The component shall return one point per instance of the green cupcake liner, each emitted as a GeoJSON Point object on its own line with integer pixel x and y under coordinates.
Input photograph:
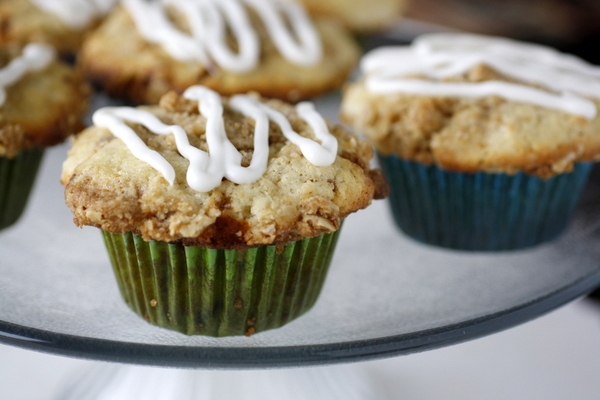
{"type": "Point", "coordinates": [214, 292]}
{"type": "Point", "coordinates": [17, 176]}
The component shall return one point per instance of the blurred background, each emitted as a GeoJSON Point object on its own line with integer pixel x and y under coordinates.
{"type": "Point", "coordinates": [568, 25]}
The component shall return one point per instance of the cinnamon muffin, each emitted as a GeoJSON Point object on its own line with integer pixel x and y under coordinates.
{"type": "Point", "coordinates": [145, 49]}
{"type": "Point", "coordinates": [487, 140]}
{"type": "Point", "coordinates": [227, 208]}
{"type": "Point", "coordinates": [61, 23]}
{"type": "Point", "coordinates": [42, 101]}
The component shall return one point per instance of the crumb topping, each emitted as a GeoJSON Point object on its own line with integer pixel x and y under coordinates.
{"type": "Point", "coordinates": [107, 187]}
{"type": "Point", "coordinates": [43, 108]}
{"type": "Point", "coordinates": [473, 134]}
{"type": "Point", "coordinates": [117, 58]}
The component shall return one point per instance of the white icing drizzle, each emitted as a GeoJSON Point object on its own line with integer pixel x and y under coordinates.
{"type": "Point", "coordinates": [223, 160]}
{"type": "Point", "coordinates": [76, 13]}
{"type": "Point", "coordinates": [35, 57]}
{"type": "Point", "coordinates": [569, 79]}
{"type": "Point", "coordinates": [210, 20]}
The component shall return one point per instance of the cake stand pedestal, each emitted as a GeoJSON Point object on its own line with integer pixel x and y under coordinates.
{"type": "Point", "coordinates": [126, 382]}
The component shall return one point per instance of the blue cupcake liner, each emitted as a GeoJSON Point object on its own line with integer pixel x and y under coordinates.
{"type": "Point", "coordinates": [17, 175]}
{"type": "Point", "coordinates": [481, 211]}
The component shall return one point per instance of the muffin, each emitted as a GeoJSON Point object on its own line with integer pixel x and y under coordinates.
{"type": "Point", "coordinates": [144, 49]}
{"type": "Point", "coordinates": [487, 142]}
{"type": "Point", "coordinates": [236, 241]}
{"type": "Point", "coordinates": [42, 101]}
{"type": "Point", "coordinates": [361, 16]}
{"type": "Point", "coordinates": [61, 23]}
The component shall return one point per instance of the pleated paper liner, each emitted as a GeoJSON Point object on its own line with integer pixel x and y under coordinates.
{"type": "Point", "coordinates": [17, 176]}
{"type": "Point", "coordinates": [481, 211]}
{"type": "Point", "coordinates": [213, 292]}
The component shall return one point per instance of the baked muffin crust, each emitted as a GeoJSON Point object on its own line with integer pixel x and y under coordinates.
{"type": "Point", "coordinates": [23, 22]}
{"type": "Point", "coordinates": [118, 59]}
{"type": "Point", "coordinates": [107, 187]}
{"type": "Point", "coordinates": [43, 108]}
{"type": "Point", "coordinates": [468, 134]}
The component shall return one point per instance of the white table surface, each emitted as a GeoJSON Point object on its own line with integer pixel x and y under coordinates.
{"type": "Point", "coordinates": [556, 356]}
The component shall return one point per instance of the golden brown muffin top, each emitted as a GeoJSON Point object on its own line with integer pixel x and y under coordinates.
{"type": "Point", "coordinates": [107, 187]}
{"type": "Point", "coordinates": [24, 22]}
{"type": "Point", "coordinates": [119, 59]}
{"type": "Point", "coordinates": [470, 134]}
{"type": "Point", "coordinates": [42, 108]}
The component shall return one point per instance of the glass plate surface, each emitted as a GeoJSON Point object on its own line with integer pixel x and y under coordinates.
{"type": "Point", "coordinates": [385, 294]}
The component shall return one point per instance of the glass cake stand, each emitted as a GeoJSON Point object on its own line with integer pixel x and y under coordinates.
{"type": "Point", "coordinates": [385, 294]}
